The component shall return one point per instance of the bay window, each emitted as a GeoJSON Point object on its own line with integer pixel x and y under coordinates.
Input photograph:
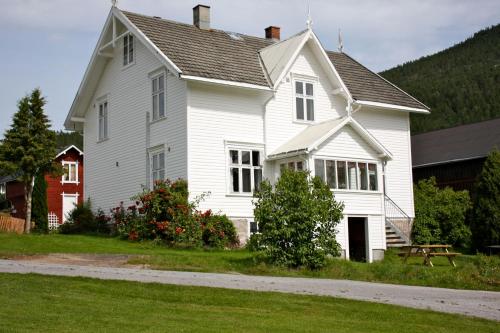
{"type": "Point", "coordinates": [347, 175]}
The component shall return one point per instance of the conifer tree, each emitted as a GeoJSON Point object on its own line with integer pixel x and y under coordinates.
{"type": "Point", "coordinates": [485, 223]}
{"type": "Point", "coordinates": [28, 146]}
{"type": "Point", "coordinates": [40, 210]}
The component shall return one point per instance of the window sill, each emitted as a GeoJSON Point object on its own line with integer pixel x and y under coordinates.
{"type": "Point", "coordinates": [102, 140]}
{"type": "Point", "coordinates": [157, 120]}
{"type": "Point", "coordinates": [304, 122]}
{"type": "Point", "coordinates": [127, 66]}
{"type": "Point", "coordinates": [75, 183]}
{"type": "Point", "coordinates": [356, 191]}
{"type": "Point", "coordinates": [241, 195]}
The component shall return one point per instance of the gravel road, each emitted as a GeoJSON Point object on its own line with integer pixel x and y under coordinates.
{"type": "Point", "coordinates": [484, 304]}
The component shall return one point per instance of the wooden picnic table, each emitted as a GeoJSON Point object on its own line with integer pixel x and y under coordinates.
{"type": "Point", "coordinates": [429, 251]}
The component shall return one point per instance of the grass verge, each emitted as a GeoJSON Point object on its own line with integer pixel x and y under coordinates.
{"type": "Point", "coordinates": [57, 304]}
{"type": "Point", "coordinates": [472, 272]}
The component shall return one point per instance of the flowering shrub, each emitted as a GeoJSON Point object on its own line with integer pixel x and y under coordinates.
{"type": "Point", "coordinates": [165, 213]}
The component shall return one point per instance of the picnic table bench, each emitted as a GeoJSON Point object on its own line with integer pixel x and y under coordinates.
{"type": "Point", "coordinates": [427, 252]}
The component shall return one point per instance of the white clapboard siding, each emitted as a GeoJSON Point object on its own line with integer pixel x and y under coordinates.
{"type": "Point", "coordinates": [391, 128]}
{"type": "Point", "coordinates": [115, 169]}
{"type": "Point", "coordinates": [215, 115]}
{"type": "Point", "coordinates": [280, 112]}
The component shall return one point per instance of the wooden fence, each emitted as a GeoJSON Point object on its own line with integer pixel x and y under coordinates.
{"type": "Point", "coordinates": [11, 224]}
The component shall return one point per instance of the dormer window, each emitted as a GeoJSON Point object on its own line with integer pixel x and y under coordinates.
{"type": "Point", "coordinates": [304, 101]}
{"type": "Point", "coordinates": [128, 50]}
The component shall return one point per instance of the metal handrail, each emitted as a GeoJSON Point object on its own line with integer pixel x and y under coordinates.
{"type": "Point", "coordinates": [398, 219]}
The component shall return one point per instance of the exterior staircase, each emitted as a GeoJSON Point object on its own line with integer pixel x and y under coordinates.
{"type": "Point", "coordinates": [397, 225]}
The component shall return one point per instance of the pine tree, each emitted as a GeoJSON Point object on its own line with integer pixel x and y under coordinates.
{"type": "Point", "coordinates": [28, 147]}
{"type": "Point", "coordinates": [40, 210]}
{"type": "Point", "coordinates": [485, 223]}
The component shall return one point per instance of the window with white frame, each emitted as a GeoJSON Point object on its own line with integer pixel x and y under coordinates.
{"type": "Point", "coordinates": [70, 172]}
{"type": "Point", "coordinates": [158, 91]}
{"type": "Point", "coordinates": [304, 100]}
{"type": "Point", "coordinates": [157, 165]}
{"type": "Point", "coordinates": [245, 170]}
{"type": "Point", "coordinates": [103, 120]}
{"type": "Point", "coordinates": [292, 165]}
{"type": "Point", "coordinates": [347, 175]}
{"type": "Point", "coordinates": [128, 49]}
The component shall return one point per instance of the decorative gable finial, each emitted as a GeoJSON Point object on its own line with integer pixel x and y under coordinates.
{"type": "Point", "coordinates": [113, 3]}
{"type": "Point", "coordinates": [341, 43]}
{"type": "Point", "coordinates": [309, 21]}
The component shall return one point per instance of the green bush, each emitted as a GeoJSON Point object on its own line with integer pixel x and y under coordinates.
{"type": "Point", "coordinates": [440, 215]}
{"type": "Point", "coordinates": [39, 207]}
{"type": "Point", "coordinates": [297, 220]}
{"type": "Point", "coordinates": [81, 220]}
{"type": "Point", "coordinates": [218, 231]}
{"type": "Point", "coordinates": [4, 203]}
{"type": "Point", "coordinates": [485, 219]}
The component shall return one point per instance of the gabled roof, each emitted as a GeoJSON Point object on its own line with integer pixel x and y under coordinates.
{"type": "Point", "coordinates": [314, 135]}
{"type": "Point", "coordinates": [455, 144]}
{"type": "Point", "coordinates": [63, 151]}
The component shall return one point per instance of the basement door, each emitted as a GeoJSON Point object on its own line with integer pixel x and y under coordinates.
{"type": "Point", "coordinates": [357, 238]}
{"type": "Point", "coordinates": [69, 202]}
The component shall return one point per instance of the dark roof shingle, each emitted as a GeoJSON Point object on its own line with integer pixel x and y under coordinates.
{"type": "Point", "coordinates": [215, 54]}
{"type": "Point", "coordinates": [456, 143]}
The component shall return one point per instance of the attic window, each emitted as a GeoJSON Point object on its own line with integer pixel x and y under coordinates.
{"type": "Point", "coordinates": [128, 50]}
{"type": "Point", "coordinates": [234, 35]}
{"type": "Point", "coordinates": [304, 101]}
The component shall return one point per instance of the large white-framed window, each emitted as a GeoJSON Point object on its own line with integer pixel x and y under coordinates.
{"type": "Point", "coordinates": [157, 165]}
{"type": "Point", "coordinates": [103, 120]}
{"type": "Point", "coordinates": [347, 175]}
{"type": "Point", "coordinates": [158, 84]}
{"type": "Point", "coordinates": [128, 50]}
{"type": "Point", "coordinates": [304, 100]}
{"type": "Point", "coordinates": [70, 172]}
{"type": "Point", "coordinates": [244, 169]}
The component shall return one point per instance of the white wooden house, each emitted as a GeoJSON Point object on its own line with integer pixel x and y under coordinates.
{"type": "Point", "coordinates": [162, 99]}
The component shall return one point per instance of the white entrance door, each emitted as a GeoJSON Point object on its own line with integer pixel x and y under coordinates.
{"type": "Point", "coordinates": [68, 204]}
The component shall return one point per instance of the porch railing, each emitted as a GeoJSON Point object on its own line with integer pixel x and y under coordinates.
{"type": "Point", "coordinates": [398, 219]}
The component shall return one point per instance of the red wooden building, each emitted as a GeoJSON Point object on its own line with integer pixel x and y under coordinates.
{"type": "Point", "coordinates": [63, 192]}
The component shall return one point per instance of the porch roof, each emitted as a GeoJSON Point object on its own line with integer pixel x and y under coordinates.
{"type": "Point", "coordinates": [314, 135]}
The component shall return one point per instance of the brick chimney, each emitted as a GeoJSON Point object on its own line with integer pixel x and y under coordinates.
{"type": "Point", "coordinates": [273, 32]}
{"type": "Point", "coordinates": [201, 17]}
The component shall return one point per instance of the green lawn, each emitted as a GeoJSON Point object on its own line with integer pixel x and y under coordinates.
{"type": "Point", "coordinates": [473, 272]}
{"type": "Point", "coordinates": [61, 304]}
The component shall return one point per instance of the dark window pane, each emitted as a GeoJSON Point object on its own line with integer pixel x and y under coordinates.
{"type": "Point", "coordinates": [300, 166]}
{"type": "Point", "coordinates": [253, 227]}
{"type": "Point", "coordinates": [282, 167]}
{"type": "Point", "coordinates": [245, 157]}
{"type": "Point", "coordinates": [155, 85]}
{"type": "Point", "coordinates": [341, 175]}
{"type": "Point", "coordinates": [310, 109]}
{"type": "Point", "coordinates": [291, 166]}
{"type": "Point", "coordinates": [247, 183]}
{"type": "Point", "coordinates": [235, 180]}
{"type": "Point", "coordinates": [257, 178]}
{"type": "Point", "coordinates": [331, 174]}
{"type": "Point", "coordinates": [372, 171]}
{"type": "Point", "coordinates": [255, 157]}
{"type": "Point", "coordinates": [233, 154]}
{"type": "Point", "coordinates": [353, 178]}
{"type": "Point", "coordinates": [131, 49]}
{"type": "Point", "coordinates": [161, 109]}
{"type": "Point", "coordinates": [363, 176]}
{"type": "Point", "coordinates": [299, 102]}
{"type": "Point", "coordinates": [161, 82]}
{"type": "Point", "coordinates": [299, 88]}
{"type": "Point", "coordinates": [161, 158]}
{"type": "Point", "coordinates": [319, 169]}
{"type": "Point", "coordinates": [309, 89]}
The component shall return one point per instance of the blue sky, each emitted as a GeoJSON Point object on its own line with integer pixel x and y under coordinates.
{"type": "Point", "coordinates": [48, 43]}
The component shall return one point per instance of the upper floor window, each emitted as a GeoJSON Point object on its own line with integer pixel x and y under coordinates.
{"type": "Point", "coordinates": [157, 165]}
{"type": "Point", "coordinates": [304, 101]}
{"type": "Point", "coordinates": [128, 50]}
{"type": "Point", "coordinates": [345, 175]}
{"type": "Point", "coordinates": [245, 170]}
{"type": "Point", "coordinates": [70, 172]}
{"type": "Point", "coordinates": [103, 120]}
{"type": "Point", "coordinates": [158, 90]}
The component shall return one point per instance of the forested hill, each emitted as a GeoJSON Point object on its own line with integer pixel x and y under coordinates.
{"type": "Point", "coordinates": [461, 84]}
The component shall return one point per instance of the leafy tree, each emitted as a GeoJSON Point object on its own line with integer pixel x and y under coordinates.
{"type": "Point", "coordinates": [40, 210]}
{"type": "Point", "coordinates": [485, 221]}
{"type": "Point", "coordinates": [297, 219]}
{"type": "Point", "coordinates": [28, 146]}
{"type": "Point", "coordinates": [440, 215]}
